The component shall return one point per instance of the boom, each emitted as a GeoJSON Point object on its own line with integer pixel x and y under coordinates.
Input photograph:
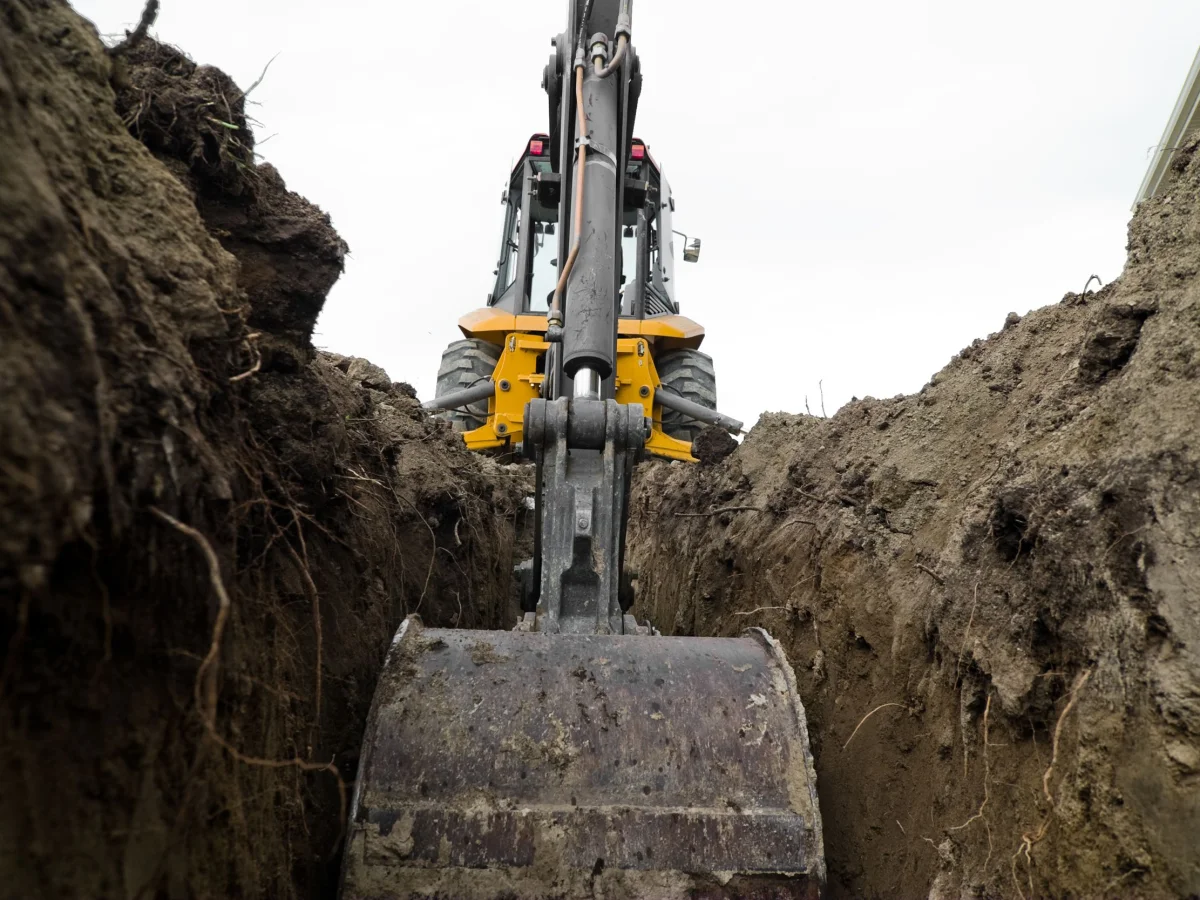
{"type": "Point", "coordinates": [584, 443]}
{"type": "Point", "coordinates": [582, 755]}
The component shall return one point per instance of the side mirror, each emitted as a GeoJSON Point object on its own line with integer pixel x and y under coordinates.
{"type": "Point", "coordinates": [549, 228]}
{"type": "Point", "coordinates": [628, 232]}
{"type": "Point", "coordinates": [691, 250]}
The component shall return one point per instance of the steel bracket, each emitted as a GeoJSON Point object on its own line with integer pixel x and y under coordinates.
{"type": "Point", "coordinates": [586, 451]}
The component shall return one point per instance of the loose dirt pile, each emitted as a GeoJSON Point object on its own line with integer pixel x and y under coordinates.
{"type": "Point", "coordinates": [990, 592]}
{"type": "Point", "coordinates": [208, 531]}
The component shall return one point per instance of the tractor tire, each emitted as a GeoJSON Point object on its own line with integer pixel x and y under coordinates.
{"type": "Point", "coordinates": [690, 374]}
{"type": "Point", "coordinates": [465, 363]}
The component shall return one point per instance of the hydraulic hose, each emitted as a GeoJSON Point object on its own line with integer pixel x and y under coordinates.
{"type": "Point", "coordinates": [587, 15]}
{"type": "Point", "coordinates": [624, 24]}
{"type": "Point", "coordinates": [555, 315]}
{"type": "Point", "coordinates": [615, 62]}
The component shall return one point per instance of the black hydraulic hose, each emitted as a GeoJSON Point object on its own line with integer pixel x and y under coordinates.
{"type": "Point", "coordinates": [587, 14]}
{"type": "Point", "coordinates": [555, 314]}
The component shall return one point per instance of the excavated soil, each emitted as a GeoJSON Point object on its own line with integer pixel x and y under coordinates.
{"type": "Point", "coordinates": [990, 592]}
{"type": "Point", "coordinates": [208, 531]}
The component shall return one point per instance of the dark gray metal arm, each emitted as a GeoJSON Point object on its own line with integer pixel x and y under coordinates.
{"type": "Point", "coordinates": [465, 397]}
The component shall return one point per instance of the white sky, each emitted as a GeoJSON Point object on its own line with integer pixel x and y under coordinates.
{"type": "Point", "coordinates": [876, 184]}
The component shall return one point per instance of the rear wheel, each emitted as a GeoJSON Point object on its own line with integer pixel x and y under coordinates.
{"type": "Point", "coordinates": [688, 374]}
{"type": "Point", "coordinates": [465, 363]}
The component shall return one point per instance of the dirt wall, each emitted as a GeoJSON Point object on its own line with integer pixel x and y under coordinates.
{"type": "Point", "coordinates": [208, 531]}
{"type": "Point", "coordinates": [990, 592]}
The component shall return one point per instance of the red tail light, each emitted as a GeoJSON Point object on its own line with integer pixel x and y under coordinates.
{"type": "Point", "coordinates": [638, 151]}
{"type": "Point", "coordinates": [536, 148]}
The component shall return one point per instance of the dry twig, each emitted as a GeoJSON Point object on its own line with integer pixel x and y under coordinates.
{"type": "Point", "coordinates": [1028, 839]}
{"type": "Point", "coordinates": [759, 609]}
{"type": "Point", "coordinates": [802, 581]}
{"type": "Point", "coordinates": [278, 692]}
{"type": "Point", "coordinates": [838, 498]}
{"type": "Point", "coordinates": [205, 685]}
{"type": "Point", "coordinates": [796, 521]}
{"type": "Point", "coordinates": [987, 775]}
{"type": "Point", "coordinates": [259, 80]}
{"type": "Point", "coordinates": [966, 634]}
{"type": "Point", "coordinates": [717, 512]}
{"type": "Point", "coordinates": [1080, 681]}
{"type": "Point", "coordinates": [133, 38]}
{"type": "Point", "coordinates": [250, 341]}
{"type": "Point", "coordinates": [206, 676]}
{"type": "Point", "coordinates": [315, 600]}
{"type": "Point", "coordinates": [932, 574]}
{"type": "Point", "coordinates": [1121, 538]}
{"type": "Point", "coordinates": [424, 521]}
{"type": "Point", "coordinates": [867, 716]}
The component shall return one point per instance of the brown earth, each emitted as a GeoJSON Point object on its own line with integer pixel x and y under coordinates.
{"type": "Point", "coordinates": [990, 592]}
{"type": "Point", "coordinates": [208, 531]}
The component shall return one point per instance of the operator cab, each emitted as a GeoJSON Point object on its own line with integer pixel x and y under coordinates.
{"type": "Point", "coordinates": [531, 236]}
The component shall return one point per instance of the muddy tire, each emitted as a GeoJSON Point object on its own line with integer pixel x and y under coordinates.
{"type": "Point", "coordinates": [690, 374]}
{"type": "Point", "coordinates": [465, 363]}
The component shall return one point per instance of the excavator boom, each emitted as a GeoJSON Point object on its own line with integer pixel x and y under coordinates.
{"type": "Point", "coordinates": [584, 755]}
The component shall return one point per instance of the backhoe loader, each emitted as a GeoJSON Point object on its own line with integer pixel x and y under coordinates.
{"type": "Point", "coordinates": [504, 345]}
{"type": "Point", "coordinates": [583, 755]}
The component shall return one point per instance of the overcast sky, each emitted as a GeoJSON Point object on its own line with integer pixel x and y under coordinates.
{"type": "Point", "coordinates": [876, 184]}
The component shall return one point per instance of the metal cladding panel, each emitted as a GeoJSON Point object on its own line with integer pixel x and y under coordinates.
{"type": "Point", "coordinates": [506, 761]}
{"type": "Point", "coordinates": [1183, 121]}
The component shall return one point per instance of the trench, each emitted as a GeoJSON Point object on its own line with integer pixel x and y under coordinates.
{"type": "Point", "coordinates": [210, 531]}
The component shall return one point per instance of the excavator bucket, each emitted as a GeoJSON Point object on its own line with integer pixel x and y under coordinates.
{"type": "Point", "coordinates": [526, 765]}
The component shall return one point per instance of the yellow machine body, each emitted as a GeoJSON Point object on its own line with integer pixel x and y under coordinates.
{"type": "Point", "coordinates": [517, 379]}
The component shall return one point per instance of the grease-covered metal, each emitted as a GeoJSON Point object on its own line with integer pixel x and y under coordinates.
{"type": "Point", "coordinates": [508, 764]}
